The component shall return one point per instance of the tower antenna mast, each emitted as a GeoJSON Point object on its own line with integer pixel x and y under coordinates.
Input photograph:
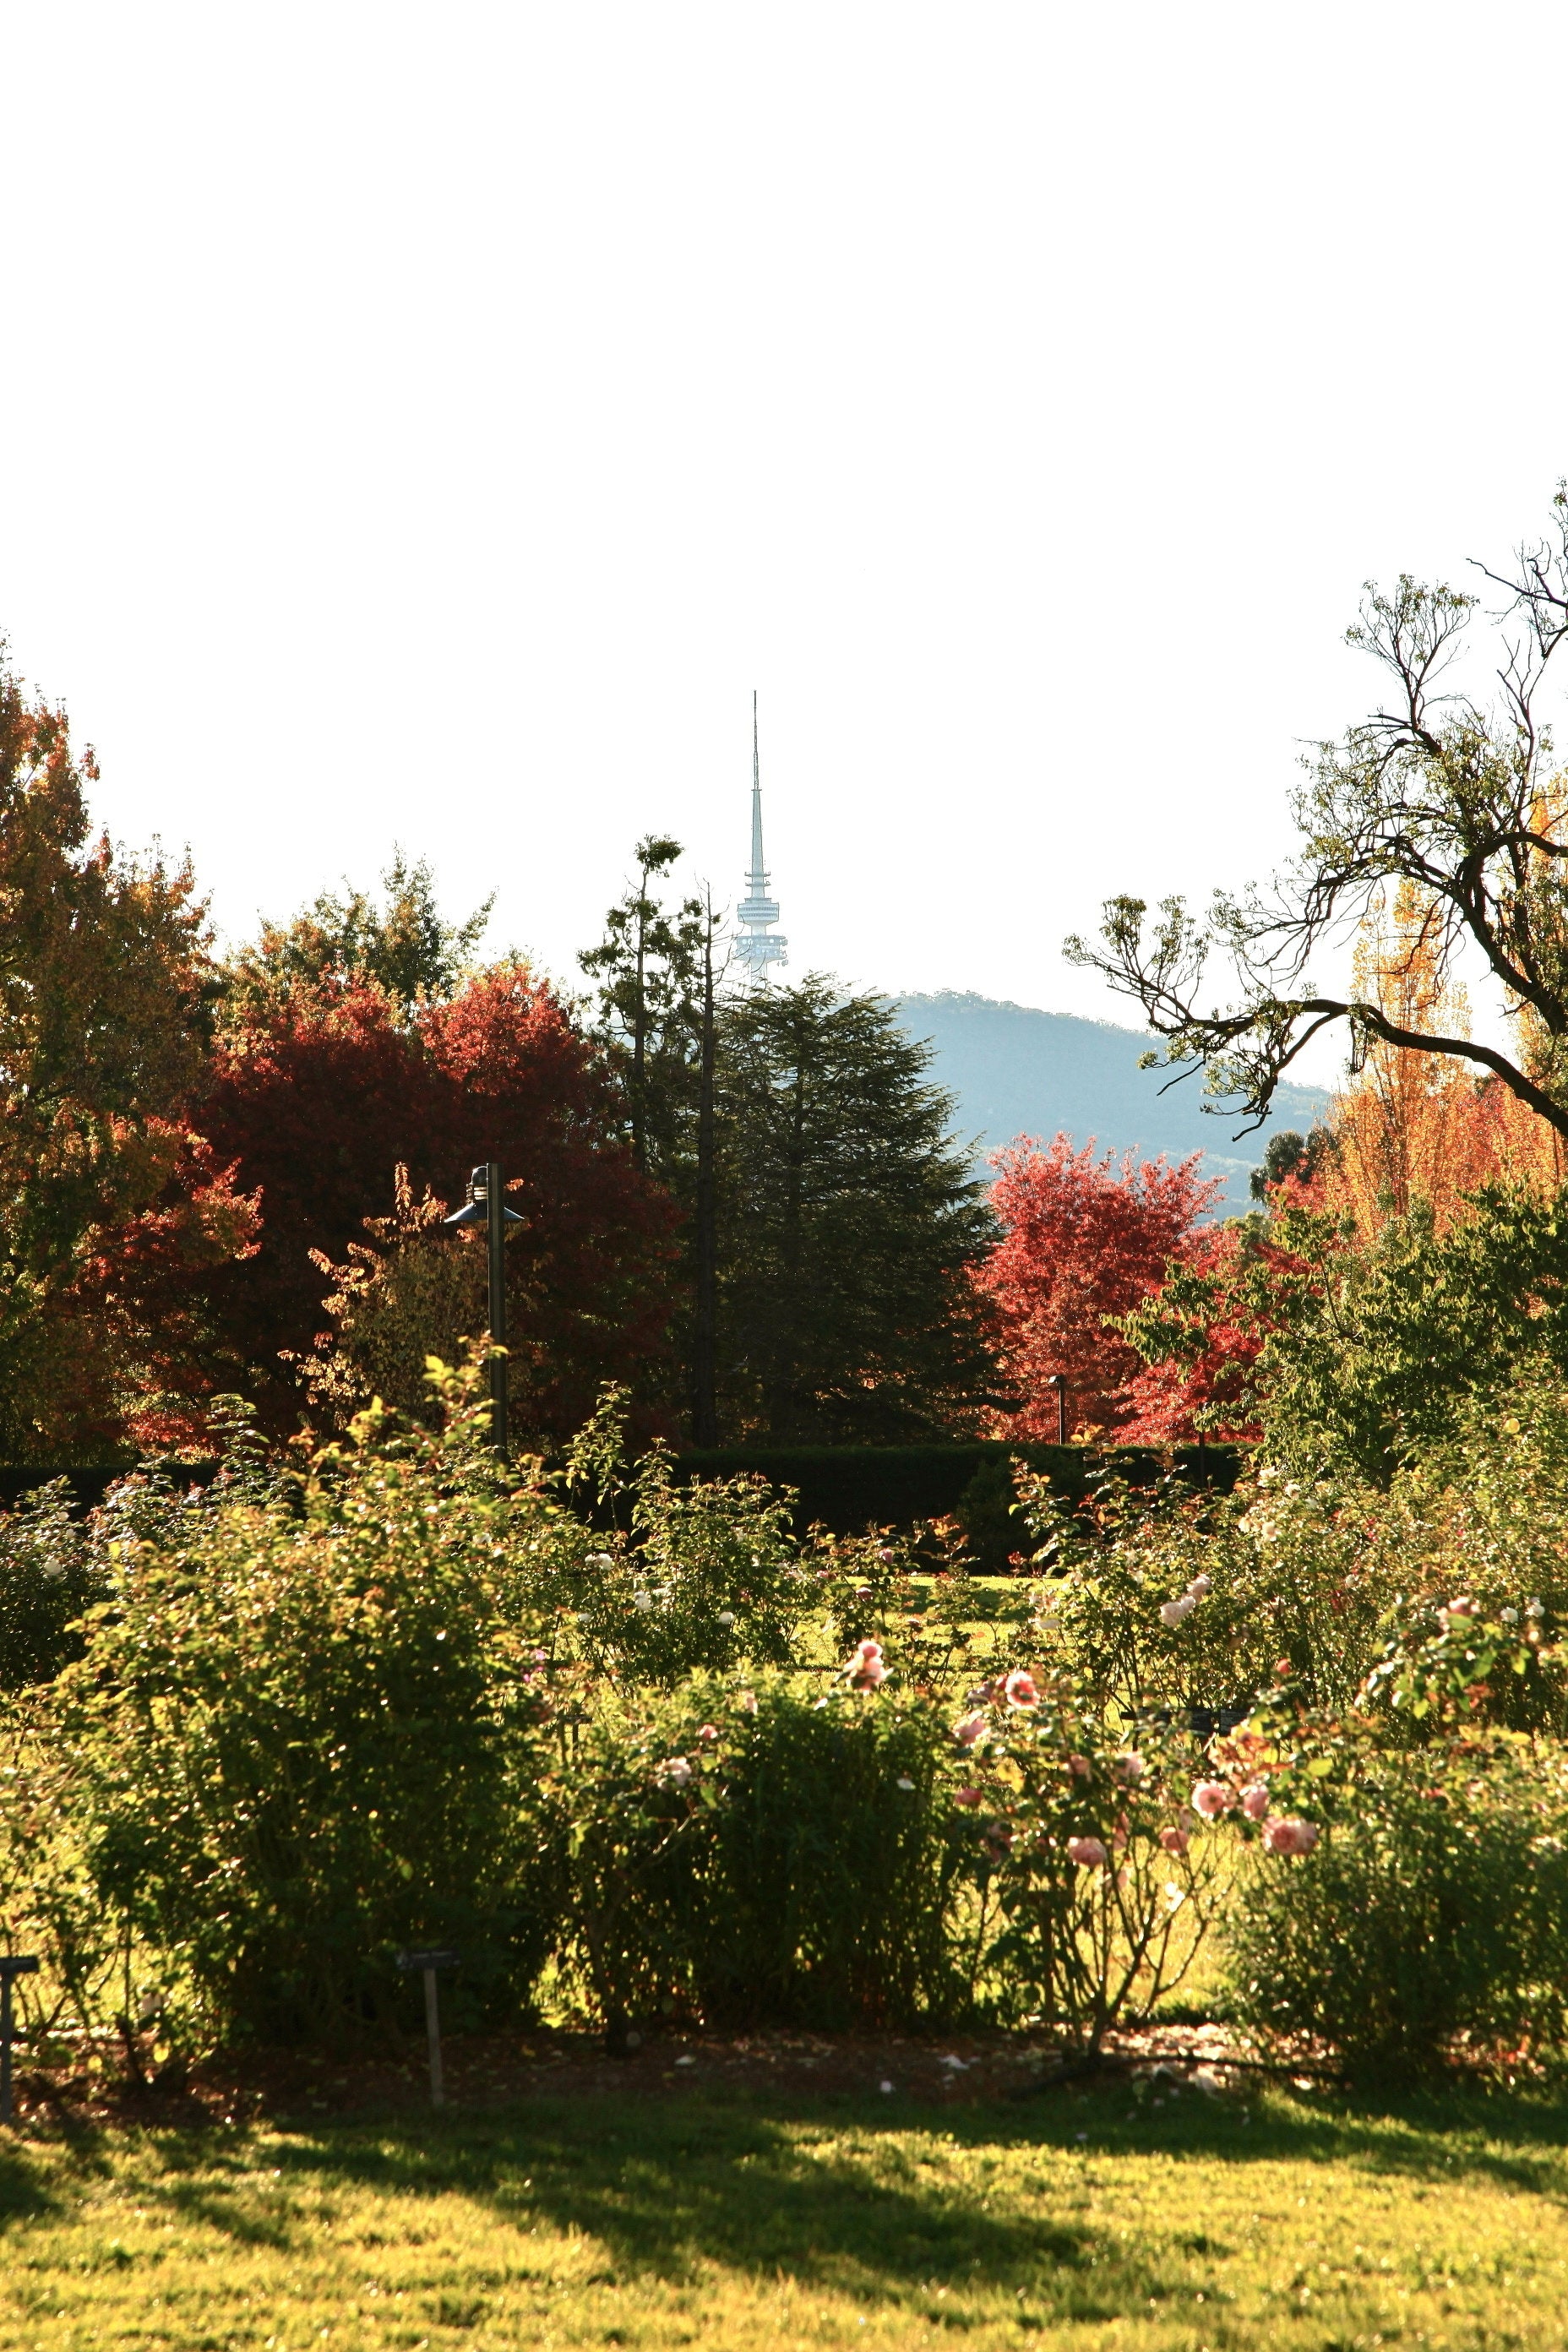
{"type": "Point", "coordinates": [758, 945]}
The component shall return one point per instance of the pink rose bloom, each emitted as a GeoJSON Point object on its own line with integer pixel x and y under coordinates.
{"type": "Point", "coordinates": [1080, 1767]}
{"type": "Point", "coordinates": [1128, 1769]}
{"type": "Point", "coordinates": [1174, 1840]}
{"type": "Point", "coordinates": [1255, 1802]}
{"type": "Point", "coordinates": [966, 1796]}
{"type": "Point", "coordinates": [1019, 1688]}
{"type": "Point", "coordinates": [1089, 1853]}
{"type": "Point", "coordinates": [1290, 1836]}
{"type": "Point", "coordinates": [1173, 1611]}
{"type": "Point", "coordinates": [1211, 1798]}
{"type": "Point", "coordinates": [1463, 1607]}
{"type": "Point", "coordinates": [708, 1731]}
{"type": "Point", "coordinates": [967, 1732]}
{"type": "Point", "coordinates": [865, 1667]}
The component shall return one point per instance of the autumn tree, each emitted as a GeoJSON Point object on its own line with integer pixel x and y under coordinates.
{"type": "Point", "coordinates": [847, 1222]}
{"type": "Point", "coordinates": [1456, 798]}
{"type": "Point", "coordinates": [1416, 1132]}
{"type": "Point", "coordinates": [108, 1199]}
{"type": "Point", "coordinates": [324, 1098]}
{"type": "Point", "coordinates": [1084, 1240]}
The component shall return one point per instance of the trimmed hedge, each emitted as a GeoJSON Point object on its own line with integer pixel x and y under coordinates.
{"type": "Point", "coordinates": [847, 1489]}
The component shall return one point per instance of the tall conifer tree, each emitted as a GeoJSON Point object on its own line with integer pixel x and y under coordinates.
{"type": "Point", "coordinates": [847, 1222]}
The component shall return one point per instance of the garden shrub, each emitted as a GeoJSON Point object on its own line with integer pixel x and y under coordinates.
{"type": "Point", "coordinates": [753, 1852]}
{"type": "Point", "coordinates": [1430, 1906]}
{"type": "Point", "coordinates": [840, 1872]}
{"type": "Point", "coordinates": [48, 1577]}
{"type": "Point", "coordinates": [698, 1578]}
{"type": "Point", "coordinates": [1105, 1879]}
{"type": "Point", "coordinates": [307, 1730]}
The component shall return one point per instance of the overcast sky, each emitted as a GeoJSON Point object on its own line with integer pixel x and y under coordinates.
{"type": "Point", "coordinates": [429, 426]}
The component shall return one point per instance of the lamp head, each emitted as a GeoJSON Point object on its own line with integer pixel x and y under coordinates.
{"type": "Point", "coordinates": [476, 1208]}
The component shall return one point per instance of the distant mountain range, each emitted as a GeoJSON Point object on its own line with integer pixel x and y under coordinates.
{"type": "Point", "coordinates": [1016, 1071]}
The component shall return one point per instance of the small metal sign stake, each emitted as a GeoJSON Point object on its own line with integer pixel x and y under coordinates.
{"type": "Point", "coordinates": [12, 1966]}
{"type": "Point", "coordinates": [428, 1963]}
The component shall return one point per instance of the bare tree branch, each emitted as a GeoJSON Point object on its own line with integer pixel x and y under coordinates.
{"type": "Point", "coordinates": [1435, 790]}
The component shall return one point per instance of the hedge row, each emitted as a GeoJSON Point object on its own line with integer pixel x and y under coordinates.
{"type": "Point", "coordinates": [844, 1488]}
{"type": "Point", "coordinates": [847, 1489]}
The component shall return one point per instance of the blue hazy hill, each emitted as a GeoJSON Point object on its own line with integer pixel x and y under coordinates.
{"type": "Point", "coordinates": [1016, 1071]}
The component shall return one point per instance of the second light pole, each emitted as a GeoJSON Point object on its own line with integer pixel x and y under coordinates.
{"type": "Point", "coordinates": [486, 1206]}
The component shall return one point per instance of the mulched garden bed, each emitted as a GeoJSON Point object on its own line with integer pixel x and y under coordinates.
{"type": "Point", "coordinates": [493, 2071]}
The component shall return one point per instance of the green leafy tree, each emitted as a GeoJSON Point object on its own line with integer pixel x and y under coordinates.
{"type": "Point", "coordinates": [404, 944]}
{"type": "Point", "coordinates": [1364, 1355]}
{"type": "Point", "coordinates": [1291, 1155]}
{"type": "Point", "coordinates": [848, 1224]}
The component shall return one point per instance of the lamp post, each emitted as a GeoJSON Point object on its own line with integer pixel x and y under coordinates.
{"type": "Point", "coordinates": [485, 1192]}
{"type": "Point", "coordinates": [1058, 1381]}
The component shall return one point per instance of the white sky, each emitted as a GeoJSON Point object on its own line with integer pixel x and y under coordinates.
{"type": "Point", "coordinates": [430, 424]}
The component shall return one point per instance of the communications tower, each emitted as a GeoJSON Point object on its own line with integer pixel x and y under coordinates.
{"type": "Point", "coordinates": [758, 945]}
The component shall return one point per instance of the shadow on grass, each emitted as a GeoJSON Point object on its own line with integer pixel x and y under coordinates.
{"type": "Point", "coordinates": [888, 2199]}
{"type": "Point", "coordinates": [24, 2194]}
{"type": "Point", "coordinates": [870, 2199]}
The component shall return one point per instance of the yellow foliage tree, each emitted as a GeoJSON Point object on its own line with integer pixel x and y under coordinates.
{"type": "Point", "coordinates": [1416, 1129]}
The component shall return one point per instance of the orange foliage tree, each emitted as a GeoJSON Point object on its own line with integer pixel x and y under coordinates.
{"type": "Point", "coordinates": [109, 1201]}
{"type": "Point", "coordinates": [1084, 1240]}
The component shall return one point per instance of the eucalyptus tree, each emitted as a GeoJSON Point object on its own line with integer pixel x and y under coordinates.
{"type": "Point", "coordinates": [1459, 797]}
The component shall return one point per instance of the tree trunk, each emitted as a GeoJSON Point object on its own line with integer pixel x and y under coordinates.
{"type": "Point", "coordinates": [639, 1034]}
{"type": "Point", "coordinates": [704, 1399]}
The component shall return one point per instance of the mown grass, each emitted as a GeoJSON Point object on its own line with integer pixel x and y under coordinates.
{"type": "Point", "coordinates": [1109, 2221]}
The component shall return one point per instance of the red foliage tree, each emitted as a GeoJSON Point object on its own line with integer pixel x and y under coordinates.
{"type": "Point", "coordinates": [1084, 1239]}
{"type": "Point", "coordinates": [318, 1100]}
{"type": "Point", "coordinates": [1202, 1333]}
{"type": "Point", "coordinates": [107, 1205]}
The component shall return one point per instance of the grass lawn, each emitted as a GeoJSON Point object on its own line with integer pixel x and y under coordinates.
{"type": "Point", "coordinates": [775, 2222]}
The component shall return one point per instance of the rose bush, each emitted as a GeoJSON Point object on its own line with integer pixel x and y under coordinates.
{"type": "Point", "coordinates": [1105, 1879]}
{"type": "Point", "coordinates": [1408, 1903]}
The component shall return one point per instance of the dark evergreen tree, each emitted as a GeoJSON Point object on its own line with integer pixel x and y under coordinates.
{"type": "Point", "coordinates": [647, 970]}
{"type": "Point", "coordinates": [847, 1221]}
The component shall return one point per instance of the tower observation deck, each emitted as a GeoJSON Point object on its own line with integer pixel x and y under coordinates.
{"type": "Point", "coordinates": [758, 945]}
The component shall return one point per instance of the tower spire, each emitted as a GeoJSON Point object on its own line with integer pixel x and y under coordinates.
{"type": "Point", "coordinates": [758, 945]}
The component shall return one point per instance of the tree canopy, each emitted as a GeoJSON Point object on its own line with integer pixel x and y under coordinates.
{"type": "Point", "coordinates": [405, 945]}
{"type": "Point", "coordinates": [847, 1222]}
{"type": "Point", "coordinates": [107, 989]}
{"type": "Point", "coordinates": [1084, 1239]}
{"type": "Point", "coordinates": [319, 1102]}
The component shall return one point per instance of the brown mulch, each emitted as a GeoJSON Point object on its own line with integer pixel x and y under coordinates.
{"type": "Point", "coordinates": [490, 2072]}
